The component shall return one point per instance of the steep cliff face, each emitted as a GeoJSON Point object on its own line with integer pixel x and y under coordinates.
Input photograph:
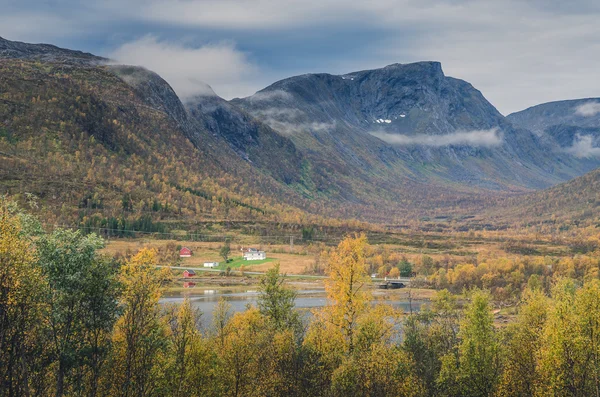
{"type": "Point", "coordinates": [250, 139]}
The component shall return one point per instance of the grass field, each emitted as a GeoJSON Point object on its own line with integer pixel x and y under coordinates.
{"type": "Point", "coordinates": [457, 248]}
{"type": "Point", "coordinates": [290, 262]}
{"type": "Point", "coordinates": [239, 262]}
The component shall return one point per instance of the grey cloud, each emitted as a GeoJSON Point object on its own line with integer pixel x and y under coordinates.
{"type": "Point", "coordinates": [483, 138]}
{"type": "Point", "coordinates": [270, 95]}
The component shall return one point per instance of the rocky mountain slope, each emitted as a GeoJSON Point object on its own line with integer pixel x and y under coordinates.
{"type": "Point", "coordinates": [409, 121]}
{"type": "Point", "coordinates": [381, 145]}
{"type": "Point", "coordinates": [574, 126]}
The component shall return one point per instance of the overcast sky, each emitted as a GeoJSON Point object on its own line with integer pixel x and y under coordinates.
{"type": "Point", "coordinates": [519, 53]}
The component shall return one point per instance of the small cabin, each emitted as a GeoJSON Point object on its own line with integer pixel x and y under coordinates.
{"type": "Point", "coordinates": [255, 255]}
{"type": "Point", "coordinates": [189, 273]}
{"type": "Point", "coordinates": [211, 264]}
{"type": "Point", "coordinates": [185, 252]}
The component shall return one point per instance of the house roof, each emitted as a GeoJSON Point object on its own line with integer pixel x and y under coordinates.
{"type": "Point", "coordinates": [190, 271]}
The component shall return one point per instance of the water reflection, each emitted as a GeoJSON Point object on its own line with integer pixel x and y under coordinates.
{"type": "Point", "coordinates": [206, 299]}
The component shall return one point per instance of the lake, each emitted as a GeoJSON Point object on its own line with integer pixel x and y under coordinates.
{"type": "Point", "coordinates": [206, 299]}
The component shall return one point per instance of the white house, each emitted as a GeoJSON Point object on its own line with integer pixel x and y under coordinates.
{"type": "Point", "coordinates": [252, 254]}
{"type": "Point", "coordinates": [211, 264]}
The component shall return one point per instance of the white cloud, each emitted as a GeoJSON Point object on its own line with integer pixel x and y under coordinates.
{"type": "Point", "coordinates": [583, 147]}
{"type": "Point", "coordinates": [483, 138]}
{"type": "Point", "coordinates": [189, 69]}
{"type": "Point", "coordinates": [241, 14]}
{"type": "Point", "coordinates": [288, 128]}
{"type": "Point", "coordinates": [588, 109]}
{"type": "Point", "coordinates": [518, 53]}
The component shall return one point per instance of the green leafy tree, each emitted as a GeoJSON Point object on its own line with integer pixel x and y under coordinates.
{"type": "Point", "coordinates": [430, 335]}
{"type": "Point", "coordinates": [82, 299]}
{"type": "Point", "coordinates": [277, 302]}
{"type": "Point", "coordinates": [478, 367]}
{"type": "Point", "coordinates": [225, 251]}
{"type": "Point", "coordinates": [406, 268]}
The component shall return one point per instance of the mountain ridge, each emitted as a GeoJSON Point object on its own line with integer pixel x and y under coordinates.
{"type": "Point", "coordinates": [307, 143]}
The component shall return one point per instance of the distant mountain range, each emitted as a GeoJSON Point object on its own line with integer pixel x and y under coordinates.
{"type": "Point", "coordinates": [572, 125]}
{"type": "Point", "coordinates": [380, 145]}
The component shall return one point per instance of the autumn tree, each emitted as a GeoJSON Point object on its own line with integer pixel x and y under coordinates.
{"type": "Point", "coordinates": [346, 288]}
{"type": "Point", "coordinates": [189, 357]}
{"type": "Point", "coordinates": [140, 334]}
{"type": "Point", "coordinates": [22, 309]}
{"type": "Point", "coordinates": [523, 340]}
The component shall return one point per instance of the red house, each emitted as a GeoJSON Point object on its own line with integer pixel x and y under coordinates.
{"type": "Point", "coordinates": [189, 274]}
{"type": "Point", "coordinates": [185, 252]}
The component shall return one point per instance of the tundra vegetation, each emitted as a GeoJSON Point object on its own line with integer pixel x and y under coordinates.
{"type": "Point", "coordinates": [75, 322]}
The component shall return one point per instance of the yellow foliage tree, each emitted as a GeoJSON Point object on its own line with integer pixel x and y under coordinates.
{"type": "Point", "coordinates": [140, 334]}
{"type": "Point", "coordinates": [345, 287]}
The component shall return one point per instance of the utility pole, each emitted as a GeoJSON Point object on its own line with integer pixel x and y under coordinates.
{"type": "Point", "coordinates": [291, 243]}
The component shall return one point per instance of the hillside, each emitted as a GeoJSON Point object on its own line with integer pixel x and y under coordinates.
{"type": "Point", "coordinates": [112, 145]}
{"type": "Point", "coordinates": [99, 153]}
{"type": "Point", "coordinates": [568, 206]}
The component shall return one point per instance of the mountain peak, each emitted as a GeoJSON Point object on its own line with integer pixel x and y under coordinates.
{"type": "Point", "coordinates": [46, 52]}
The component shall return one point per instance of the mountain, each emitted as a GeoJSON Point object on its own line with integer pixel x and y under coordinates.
{"type": "Point", "coordinates": [46, 53]}
{"type": "Point", "coordinates": [409, 122]}
{"type": "Point", "coordinates": [574, 126]}
{"type": "Point", "coordinates": [113, 145]}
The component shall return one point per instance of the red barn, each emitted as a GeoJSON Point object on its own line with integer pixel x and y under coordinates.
{"type": "Point", "coordinates": [185, 252]}
{"type": "Point", "coordinates": [189, 273]}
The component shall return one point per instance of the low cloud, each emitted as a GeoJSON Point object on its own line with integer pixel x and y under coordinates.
{"type": "Point", "coordinates": [189, 69]}
{"type": "Point", "coordinates": [270, 95]}
{"type": "Point", "coordinates": [479, 138]}
{"type": "Point", "coordinates": [588, 109]}
{"type": "Point", "coordinates": [296, 128]}
{"type": "Point", "coordinates": [583, 147]}
{"type": "Point", "coordinates": [278, 113]}
{"type": "Point", "coordinates": [289, 121]}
